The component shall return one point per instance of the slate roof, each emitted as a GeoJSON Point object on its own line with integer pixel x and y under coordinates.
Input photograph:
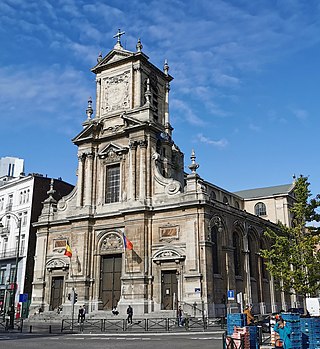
{"type": "Point", "coordinates": [265, 192]}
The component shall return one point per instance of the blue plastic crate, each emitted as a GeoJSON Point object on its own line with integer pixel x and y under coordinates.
{"type": "Point", "coordinates": [236, 316]}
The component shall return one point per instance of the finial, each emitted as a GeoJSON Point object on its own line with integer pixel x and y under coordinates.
{"type": "Point", "coordinates": [99, 59]}
{"type": "Point", "coordinates": [89, 110]}
{"type": "Point", "coordinates": [51, 191]}
{"type": "Point", "coordinates": [166, 67]}
{"type": "Point", "coordinates": [118, 36]}
{"type": "Point", "coordinates": [139, 46]}
{"type": "Point", "coordinates": [193, 167]}
{"type": "Point", "coordinates": [148, 93]}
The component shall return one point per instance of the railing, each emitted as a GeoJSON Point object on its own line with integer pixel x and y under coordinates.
{"type": "Point", "coordinates": [5, 324]}
{"type": "Point", "coordinates": [142, 325]}
{"type": "Point", "coordinates": [232, 343]}
{"type": "Point", "coordinates": [114, 325]}
{"type": "Point", "coordinates": [11, 253]}
{"type": "Point", "coordinates": [192, 309]}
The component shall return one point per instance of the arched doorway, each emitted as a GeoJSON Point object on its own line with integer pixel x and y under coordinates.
{"type": "Point", "coordinates": [111, 266]}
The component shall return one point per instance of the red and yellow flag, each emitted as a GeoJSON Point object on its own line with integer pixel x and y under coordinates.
{"type": "Point", "coordinates": [68, 251]}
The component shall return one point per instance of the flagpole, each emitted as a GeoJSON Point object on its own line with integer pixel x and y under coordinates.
{"type": "Point", "coordinates": [68, 249]}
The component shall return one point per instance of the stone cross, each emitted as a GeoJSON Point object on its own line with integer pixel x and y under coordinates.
{"type": "Point", "coordinates": [118, 36]}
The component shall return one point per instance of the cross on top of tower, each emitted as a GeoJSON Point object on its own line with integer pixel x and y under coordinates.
{"type": "Point", "coordinates": [118, 36]}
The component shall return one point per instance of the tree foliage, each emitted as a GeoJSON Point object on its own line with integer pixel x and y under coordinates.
{"type": "Point", "coordinates": [294, 257]}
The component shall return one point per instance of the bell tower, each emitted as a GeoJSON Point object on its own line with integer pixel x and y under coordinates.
{"type": "Point", "coordinates": [129, 134]}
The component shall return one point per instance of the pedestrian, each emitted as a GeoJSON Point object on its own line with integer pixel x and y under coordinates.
{"type": "Point", "coordinates": [284, 332]}
{"type": "Point", "coordinates": [115, 311]}
{"type": "Point", "coordinates": [130, 314]}
{"type": "Point", "coordinates": [180, 317]}
{"type": "Point", "coordinates": [249, 315]}
{"type": "Point", "coordinates": [81, 314]}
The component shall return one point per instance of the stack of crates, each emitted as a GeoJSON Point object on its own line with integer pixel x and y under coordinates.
{"type": "Point", "coordinates": [241, 336]}
{"type": "Point", "coordinates": [254, 338]}
{"type": "Point", "coordinates": [235, 320]}
{"type": "Point", "coordinates": [293, 322]}
{"type": "Point", "coordinates": [310, 328]}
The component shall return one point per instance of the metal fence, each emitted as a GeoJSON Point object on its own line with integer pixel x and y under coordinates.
{"type": "Point", "coordinates": [5, 325]}
{"type": "Point", "coordinates": [68, 325]}
{"type": "Point", "coordinates": [142, 325]}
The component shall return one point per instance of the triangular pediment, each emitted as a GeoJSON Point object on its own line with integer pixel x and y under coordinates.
{"type": "Point", "coordinates": [85, 134]}
{"type": "Point", "coordinates": [89, 132]}
{"type": "Point", "coordinates": [111, 149]}
{"type": "Point", "coordinates": [113, 56]}
{"type": "Point", "coordinates": [130, 121]}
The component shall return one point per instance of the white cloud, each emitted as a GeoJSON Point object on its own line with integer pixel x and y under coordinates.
{"type": "Point", "coordinates": [47, 96]}
{"type": "Point", "coordinates": [254, 127]}
{"type": "Point", "coordinates": [185, 113]}
{"type": "Point", "coordinates": [300, 114]}
{"type": "Point", "coordinates": [221, 143]}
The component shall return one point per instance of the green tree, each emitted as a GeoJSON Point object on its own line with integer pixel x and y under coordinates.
{"type": "Point", "coordinates": [294, 256]}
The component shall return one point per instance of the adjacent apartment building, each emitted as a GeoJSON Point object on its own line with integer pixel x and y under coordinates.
{"type": "Point", "coordinates": [21, 200]}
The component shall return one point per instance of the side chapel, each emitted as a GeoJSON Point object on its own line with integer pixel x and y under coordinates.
{"type": "Point", "coordinates": [192, 241]}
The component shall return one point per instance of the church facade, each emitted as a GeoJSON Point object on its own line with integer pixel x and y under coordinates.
{"type": "Point", "coordinates": [192, 241]}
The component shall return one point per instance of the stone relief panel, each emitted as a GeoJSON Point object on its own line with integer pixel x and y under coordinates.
{"type": "Point", "coordinates": [169, 232]}
{"type": "Point", "coordinates": [111, 242]}
{"type": "Point", "coordinates": [57, 263]}
{"type": "Point", "coordinates": [116, 95]}
{"type": "Point", "coordinates": [168, 255]}
{"type": "Point", "coordinates": [59, 245]}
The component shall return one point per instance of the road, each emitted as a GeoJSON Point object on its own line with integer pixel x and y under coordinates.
{"type": "Point", "coordinates": [207, 340]}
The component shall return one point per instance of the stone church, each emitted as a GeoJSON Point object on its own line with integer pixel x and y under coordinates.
{"type": "Point", "coordinates": [192, 241]}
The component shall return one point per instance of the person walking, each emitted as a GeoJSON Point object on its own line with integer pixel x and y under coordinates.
{"type": "Point", "coordinates": [180, 317]}
{"type": "Point", "coordinates": [81, 315]}
{"type": "Point", "coordinates": [115, 311]}
{"type": "Point", "coordinates": [284, 332]}
{"type": "Point", "coordinates": [130, 314]}
{"type": "Point", "coordinates": [249, 315]}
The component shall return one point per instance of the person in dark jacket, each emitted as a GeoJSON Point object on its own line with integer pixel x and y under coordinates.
{"type": "Point", "coordinates": [130, 314]}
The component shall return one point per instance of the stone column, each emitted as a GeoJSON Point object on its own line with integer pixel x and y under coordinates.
{"type": "Point", "coordinates": [247, 266]}
{"type": "Point", "coordinates": [274, 306]}
{"type": "Point", "coordinates": [166, 111]}
{"type": "Point", "coordinates": [81, 159]}
{"type": "Point", "coordinates": [98, 94]}
{"type": "Point", "coordinates": [132, 170]}
{"type": "Point", "coordinates": [137, 87]}
{"type": "Point", "coordinates": [260, 287]}
{"type": "Point", "coordinates": [88, 180]}
{"type": "Point", "coordinates": [142, 186]}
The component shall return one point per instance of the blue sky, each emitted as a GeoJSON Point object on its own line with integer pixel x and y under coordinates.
{"type": "Point", "coordinates": [245, 94]}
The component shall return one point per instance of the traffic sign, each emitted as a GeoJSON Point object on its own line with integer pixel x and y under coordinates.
{"type": "Point", "coordinates": [230, 295]}
{"type": "Point", "coordinates": [23, 297]}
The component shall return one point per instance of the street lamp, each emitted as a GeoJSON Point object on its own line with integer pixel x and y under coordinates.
{"type": "Point", "coordinates": [15, 276]}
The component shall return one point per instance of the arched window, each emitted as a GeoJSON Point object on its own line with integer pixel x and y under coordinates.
{"type": "Point", "coordinates": [260, 209]}
{"type": "Point", "coordinates": [236, 204]}
{"type": "Point", "coordinates": [213, 195]}
{"type": "Point", "coordinates": [225, 200]}
{"type": "Point", "coordinates": [215, 251]}
{"type": "Point", "coordinates": [236, 253]}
